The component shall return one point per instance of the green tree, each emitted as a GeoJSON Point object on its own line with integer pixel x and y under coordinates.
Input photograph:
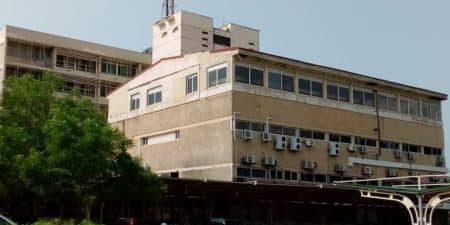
{"type": "Point", "coordinates": [64, 148]}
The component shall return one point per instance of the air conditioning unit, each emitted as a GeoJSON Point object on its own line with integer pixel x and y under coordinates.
{"type": "Point", "coordinates": [334, 149]}
{"type": "Point", "coordinates": [280, 142]}
{"type": "Point", "coordinates": [367, 170]}
{"type": "Point", "coordinates": [295, 144]}
{"type": "Point", "coordinates": [309, 164]}
{"type": "Point", "coordinates": [398, 154]}
{"type": "Point", "coordinates": [340, 168]}
{"type": "Point", "coordinates": [392, 173]}
{"type": "Point", "coordinates": [411, 155]}
{"type": "Point", "coordinates": [362, 149]}
{"type": "Point", "coordinates": [247, 135]}
{"type": "Point", "coordinates": [434, 179]}
{"type": "Point", "coordinates": [351, 148]}
{"type": "Point", "coordinates": [269, 161]}
{"type": "Point", "coordinates": [249, 159]}
{"type": "Point", "coordinates": [266, 137]}
{"type": "Point", "coordinates": [440, 159]}
{"type": "Point", "coordinates": [309, 143]}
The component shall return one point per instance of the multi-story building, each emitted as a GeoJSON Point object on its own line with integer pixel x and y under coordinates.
{"type": "Point", "coordinates": [92, 69]}
{"type": "Point", "coordinates": [233, 113]}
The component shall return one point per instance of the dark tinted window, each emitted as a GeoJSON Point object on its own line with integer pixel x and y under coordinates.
{"type": "Point", "coordinates": [221, 40]}
{"type": "Point", "coordinates": [344, 94]}
{"type": "Point", "coordinates": [318, 135]}
{"type": "Point", "coordinates": [258, 173]}
{"type": "Point", "coordinates": [275, 80]}
{"type": "Point", "coordinates": [243, 172]}
{"type": "Point", "coordinates": [288, 131]}
{"type": "Point", "coordinates": [288, 83]}
{"type": "Point", "coordinates": [242, 74]}
{"type": "Point", "coordinates": [305, 133]}
{"type": "Point", "coordinates": [257, 77]}
{"type": "Point", "coordinates": [358, 97]}
{"type": "Point", "coordinates": [304, 86]}
{"type": "Point", "coordinates": [317, 89]}
{"type": "Point", "coordinates": [332, 92]}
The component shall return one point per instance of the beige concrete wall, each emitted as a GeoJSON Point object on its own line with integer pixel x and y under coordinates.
{"type": "Point", "coordinates": [78, 45]}
{"type": "Point", "coordinates": [170, 76]}
{"type": "Point", "coordinates": [205, 138]}
{"type": "Point", "coordinates": [307, 116]}
{"type": "Point", "coordinates": [242, 36]}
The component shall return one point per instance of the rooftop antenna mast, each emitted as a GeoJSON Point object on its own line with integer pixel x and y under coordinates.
{"type": "Point", "coordinates": [168, 8]}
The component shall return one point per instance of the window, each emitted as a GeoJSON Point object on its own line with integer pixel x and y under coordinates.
{"type": "Point", "coordinates": [390, 145]}
{"type": "Point", "coordinates": [431, 111]}
{"type": "Point", "coordinates": [258, 173]}
{"type": "Point", "coordinates": [280, 81]}
{"type": "Point", "coordinates": [338, 93]}
{"type": "Point", "coordinates": [134, 102]}
{"type": "Point", "coordinates": [154, 96]}
{"type": "Point", "coordinates": [289, 131]}
{"type": "Point", "coordinates": [361, 97]}
{"type": "Point", "coordinates": [243, 172]}
{"type": "Point", "coordinates": [365, 141]}
{"type": "Point", "coordinates": [310, 87]}
{"type": "Point", "coordinates": [387, 102]}
{"type": "Point", "coordinates": [246, 125]}
{"type": "Point", "coordinates": [340, 138]}
{"type": "Point", "coordinates": [432, 151]}
{"type": "Point", "coordinates": [249, 75]}
{"type": "Point", "coordinates": [191, 84]}
{"type": "Point", "coordinates": [217, 75]}
{"type": "Point", "coordinates": [410, 148]}
{"type": "Point", "coordinates": [221, 40]}
{"type": "Point", "coordinates": [312, 134]}
{"type": "Point", "coordinates": [409, 106]}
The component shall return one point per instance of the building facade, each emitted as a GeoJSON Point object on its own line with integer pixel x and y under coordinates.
{"type": "Point", "coordinates": [91, 69]}
{"type": "Point", "coordinates": [238, 114]}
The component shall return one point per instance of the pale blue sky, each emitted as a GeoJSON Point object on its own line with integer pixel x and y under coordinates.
{"type": "Point", "coordinates": [407, 41]}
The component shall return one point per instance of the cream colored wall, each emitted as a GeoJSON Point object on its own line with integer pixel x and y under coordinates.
{"type": "Point", "coordinates": [242, 36]}
{"type": "Point", "coordinates": [205, 138]}
{"type": "Point", "coordinates": [170, 75]}
{"type": "Point", "coordinates": [306, 116]}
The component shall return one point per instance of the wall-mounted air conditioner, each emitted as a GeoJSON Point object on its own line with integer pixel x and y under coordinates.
{"type": "Point", "coordinates": [334, 149]}
{"type": "Point", "coordinates": [351, 148]}
{"type": "Point", "coordinates": [280, 142]}
{"type": "Point", "coordinates": [309, 143]}
{"type": "Point", "coordinates": [247, 135]}
{"type": "Point", "coordinates": [362, 149]}
{"type": "Point", "coordinates": [249, 159]}
{"type": "Point", "coordinates": [266, 137]}
{"type": "Point", "coordinates": [309, 164]}
{"type": "Point", "coordinates": [269, 161]}
{"type": "Point", "coordinates": [391, 172]}
{"type": "Point", "coordinates": [295, 144]}
{"type": "Point", "coordinates": [367, 170]}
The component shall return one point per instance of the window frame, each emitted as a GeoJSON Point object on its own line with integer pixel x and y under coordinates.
{"type": "Point", "coordinates": [364, 92]}
{"type": "Point", "coordinates": [216, 69]}
{"type": "Point", "coordinates": [193, 80]}
{"type": "Point", "coordinates": [282, 75]}
{"type": "Point", "coordinates": [339, 87]}
{"type": "Point", "coordinates": [249, 77]}
{"type": "Point", "coordinates": [387, 96]}
{"type": "Point", "coordinates": [154, 92]}
{"type": "Point", "coordinates": [133, 105]}
{"type": "Point", "coordinates": [310, 80]}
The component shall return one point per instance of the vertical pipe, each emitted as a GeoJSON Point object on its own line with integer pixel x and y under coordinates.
{"type": "Point", "coordinates": [378, 124]}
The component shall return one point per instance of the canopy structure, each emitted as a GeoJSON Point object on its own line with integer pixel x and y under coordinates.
{"type": "Point", "coordinates": [435, 189]}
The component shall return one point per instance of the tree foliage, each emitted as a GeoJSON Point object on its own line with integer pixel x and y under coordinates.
{"type": "Point", "coordinates": [63, 149]}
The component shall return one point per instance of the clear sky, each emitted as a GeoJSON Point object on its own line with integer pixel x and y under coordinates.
{"type": "Point", "coordinates": [407, 41]}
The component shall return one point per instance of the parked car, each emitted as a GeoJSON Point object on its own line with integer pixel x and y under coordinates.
{"type": "Point", "coordinates": [5, 221]}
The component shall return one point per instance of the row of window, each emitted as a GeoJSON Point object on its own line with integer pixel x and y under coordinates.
{"type": "Point", "coordinates": [118, 68]}
{"type": "Point", "coordinates": [334, 137]}
{"type": "Point", "coordinates": [314, 87]}
{"type": "Point", "coordinates": [78, 64]}
{"type": "Point", "coordinates": [154, 96]}
{"type": "Point", "coordinates": [29, 52]}
{"type": "Point", "coordinates": [287, 175]}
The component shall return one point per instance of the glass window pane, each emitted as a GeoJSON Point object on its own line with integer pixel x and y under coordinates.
{"type": "Point", "coordinates": [242, 125]}
{"type": "Point", "coordinates": [332, 92]}
{"type": "Point", "coordinates": [318, 135]}
{"type": "Point", "coordinates": [334, 137]}
{"type": "Point", "coordinates": [288, 131]}
{"type": "Point", "coordinates": [358, 97]}
{"type": "Point", "coordinates": [189, 85]}
{"type": "Point", "coordinates": [344, 94]}
{"type": "Point", "coordinates": [242, 74]}
{"type": "Point", "coordinates": [425, 109]}
{"type": "Point", "coordinates": [304, 86]}
{"type": "Point", "coordinates": [275, 129]}
{"type": "Point", "coordinates": [222, 75]}
{"type": "Point", "coordinates": [346, 139]}
{"type": "Point", "coordinates": [194, 84]}
{"type": "Point", "coordinates": [317, 89]}
{"type": "Point", "coordinates": [392, 104]}
{"type": "Point", "coordinates": [404, 106]}
{"type": "Point", "coordinates": [382, 102]}
{"type": "Point", "coordinates": [158, 97]}
{"type": "Point", "coordinates": [371, 142]}
{"type": "Point", "coordinates": [435, 112]}
{"type": "Point", "coordinates": [414, 107]}
{"type": "Point", "coordinates": [369, 99]}
{"type": "Point", "coordinates": [288, 83]}
{"type": "Point", "coordinates": [257, 77]}
{"type": "Point", "coordinates": [305, 133]}
{"type": "Point", "coordinates": [212, 78]}
{"type": "Point", "coordinates": [275, 80]}
{"type": "Point", "coordinates": [360, 141]}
